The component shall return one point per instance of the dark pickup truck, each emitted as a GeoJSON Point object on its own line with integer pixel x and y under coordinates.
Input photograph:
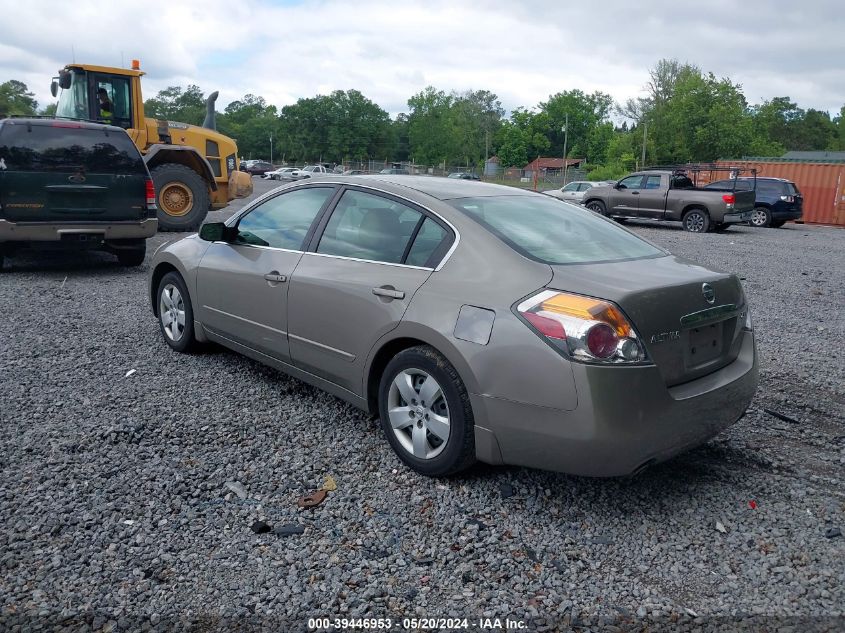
{"type": "Point", "coordinates": [671, 195]}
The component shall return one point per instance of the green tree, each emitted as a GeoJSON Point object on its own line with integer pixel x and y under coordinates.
{"type": "Point", "coordinates": [15, 98]}
{"type": "Point", "coordinates": [49, 109]}
{"type": "Point", "coordinates": [589, 130]}
{"type": "Point", "coordinates": [172, 104]}
{"type": "Point", "coordinates": [340, 126]}
{"type": "Point", "coordinates": [431, 127]}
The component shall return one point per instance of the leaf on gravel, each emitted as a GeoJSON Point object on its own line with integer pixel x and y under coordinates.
{"type": "Point", "coordinates": [259, 527]}
{"type": "Point", "coordinates": [721, 527]}
{"type": "Point", "coordinates": [330, 485]}
{"type": "Point", "coordinates": [129, 373]}
{"type": "Point", "coordinates": [312, 500]}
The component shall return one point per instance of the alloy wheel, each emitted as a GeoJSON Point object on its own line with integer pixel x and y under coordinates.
{"type": "Point", "coordinates": [171, 310]}
{"type": "Point", "coordinates": [419, 414]}
{"type": "Point", "coordinates": [758, 217]}
{"type": "Point", "coordinates": [694, 222]}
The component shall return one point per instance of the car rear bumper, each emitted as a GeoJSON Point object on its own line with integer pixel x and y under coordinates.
{"type": "Point", "coordinates": [56, 232]}
{"type": "Point", "coordinates": [786, 214]}
{"type": "Point", "coordinates": [626, 418]}
{"type": "Point", "coordinates": [735, 218]}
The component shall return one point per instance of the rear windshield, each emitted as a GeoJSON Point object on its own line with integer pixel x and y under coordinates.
{"type": "Point", "coordinates": [554, 232]}
{"type": "Point", "coordinates": [26, 147]}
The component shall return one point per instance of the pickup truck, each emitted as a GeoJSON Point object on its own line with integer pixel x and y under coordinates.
{"type": "Point", "coordinates": [671, 195]}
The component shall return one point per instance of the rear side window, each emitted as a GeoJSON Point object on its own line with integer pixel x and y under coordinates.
{"type": "Point", "coordinates": [791, 189]}
{"type": "Point", "coordinates": [770, 187]}
{"type": "Point", "coordinates": [427, 244]}
{"type": "Point", "coordinates": [25, 147]}
{"type": "Point", "coordinates": [545, 230]}
{"type": "Point", "coordinates": [364, 226]}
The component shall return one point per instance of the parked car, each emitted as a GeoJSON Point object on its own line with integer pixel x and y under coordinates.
{"type": "Point", "coordinates": [259, 167]}
{"type": "Point", "coordinates": [282, 173]}
{"type": "Point", "coordinates": [354, 172]}
{"type": "Point", "coordinates": [395, 171]}
{"type": "Point", "coordinates": [574, 191]}
{"type": "Point", "coordinates": [462, 175]}
{"type": "Point", "coordinates": [72, 184]}
{"type": "Point", "coordinates": [310, 170]}
{"type": "Point", "coordinates": [670, 195]}
{"type": "Point", "coordinates": [594, 352]}
{"type": "Point", "coordinates": [777, 199]}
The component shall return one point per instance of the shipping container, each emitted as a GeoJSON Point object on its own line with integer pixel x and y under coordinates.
{"type": "Point", "coordinates": [821, 184]}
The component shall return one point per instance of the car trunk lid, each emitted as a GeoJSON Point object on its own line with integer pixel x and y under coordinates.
{"type": "Point", "coordinates": [666, 298]}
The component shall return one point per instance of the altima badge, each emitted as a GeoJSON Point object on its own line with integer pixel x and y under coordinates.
{"type": "Point", "coordinates": [708, 292]}
{"type": "Point", "coordinates": [662, 337]}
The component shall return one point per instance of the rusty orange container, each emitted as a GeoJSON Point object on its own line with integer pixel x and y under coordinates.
{"type": "Point", "coordinates": [821, 184]}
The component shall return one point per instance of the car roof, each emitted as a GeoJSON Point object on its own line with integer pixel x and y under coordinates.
{"type": "Point", "coordinates": [437, 187]}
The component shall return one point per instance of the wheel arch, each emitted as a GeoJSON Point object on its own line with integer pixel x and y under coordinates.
{"type": "Point", "coordinates": [404, 338]}
{"type": "Point", "coordinates": [695, 206]}
{"type": "Point", "coordinates": [155, 279]}
{"type": "Point", "coordinates": [159, 155]}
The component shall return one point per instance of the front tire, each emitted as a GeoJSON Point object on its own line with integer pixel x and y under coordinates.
{"type": "Point", "coordinates": [175, 313]}
{"type": "Point", "coordinates": [181, 196]}
{"type": "Point", "coordinates": [598, 207]}
{"type": "Point", "coordinates": [426, 413]}
{"type": "Point", "coordinates": [696, 221]}
{"type": "Point", "coordinates": [761, 217]}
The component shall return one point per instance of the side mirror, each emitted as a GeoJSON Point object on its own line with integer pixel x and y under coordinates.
{"type": "Point", "coordinates": [65, 78]}
{"type": "Point", "coordinates": [618, 186]}
{"type": "Point", "coordinates": [54, 88]}
{"type": "Point", "coordinates": [214, 232]}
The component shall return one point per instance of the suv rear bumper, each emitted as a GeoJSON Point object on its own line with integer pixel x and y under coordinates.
{"type": "Point", "coordinates": [48, 232]}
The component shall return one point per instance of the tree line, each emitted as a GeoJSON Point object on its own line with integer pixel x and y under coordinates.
{"type": "Point", "coordinates": [686, 115]}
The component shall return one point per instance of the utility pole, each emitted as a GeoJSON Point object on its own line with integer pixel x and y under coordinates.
{"type": "Point", "coordinates": [486, 151]}
{"type": "Point", "coordinates": [645, 135]}
{"type": "Point", "coordinates": [565, 139]}
{"type": "Point", "coordinates": [271, 148]}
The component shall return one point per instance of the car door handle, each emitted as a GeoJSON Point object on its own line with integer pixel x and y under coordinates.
{"type": "Point", "coordinates": [389, 292]}
{"type": "Point", "coordinates": [276, 277]}
{"type": "Point", "coordinates": [636, 193]}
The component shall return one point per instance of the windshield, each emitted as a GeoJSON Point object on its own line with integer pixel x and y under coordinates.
{"type": "Point", "coordinates": [554, 232]}
{"type": "Point", "coordinates": [73, 102]}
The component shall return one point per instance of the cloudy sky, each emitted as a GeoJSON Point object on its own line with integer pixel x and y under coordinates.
{"type": "Point", "coordinates": [284, 50]}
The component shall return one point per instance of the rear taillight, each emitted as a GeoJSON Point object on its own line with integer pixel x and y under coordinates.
{"type": "Point", "coordinates": [151, 194]}
{"type": "Point", "coordinates": [586, 329]}
{"type": "Point", "coordinates": [729, 199]}
{"type": "Point", "coordinates": [788, 198]}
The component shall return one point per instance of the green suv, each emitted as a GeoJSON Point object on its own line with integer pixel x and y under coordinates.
{"type": "Point", "coordinates": [73, 184]}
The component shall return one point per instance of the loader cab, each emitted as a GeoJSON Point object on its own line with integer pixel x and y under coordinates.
{"type": "Point", "coordinates": [80, 97]}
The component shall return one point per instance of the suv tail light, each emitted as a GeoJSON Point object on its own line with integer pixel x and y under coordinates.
{"type": "Point", "coordinates": [585, 329]}
{"type": "Point", "coordinates": [788, 198]}
{"type": "Point", "coordinates": [151, 195]}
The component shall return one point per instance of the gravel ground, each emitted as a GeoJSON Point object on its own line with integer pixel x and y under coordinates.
{"type": "Point", "coordinates": [116, 512]}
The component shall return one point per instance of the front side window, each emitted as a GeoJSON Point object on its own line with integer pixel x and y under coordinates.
{"type": "Point", "coordinates": [112, 100]}
{"type": "Point", "coordinates": [631, 182]}
{"type": "Point", "coordinates": [73, 102]}
{"type": "Point", "coordinates": [365, 226]}
{"type": "Point", "coordinates": [283, 221]}
{"type": "Point", "coordinates": [547, 231]}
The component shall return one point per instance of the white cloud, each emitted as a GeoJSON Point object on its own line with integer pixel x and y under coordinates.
{"type": "Point", "coordinates": [390, 50]}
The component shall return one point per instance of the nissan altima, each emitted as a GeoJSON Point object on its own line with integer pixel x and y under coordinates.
{"type": "Point", "coordinates": [476, 321]}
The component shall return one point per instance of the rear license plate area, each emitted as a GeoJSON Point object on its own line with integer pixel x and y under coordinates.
{"type": "Point", "coordinates": [704, 344]}
{"type": "Point", "coordinates": [82, 238]}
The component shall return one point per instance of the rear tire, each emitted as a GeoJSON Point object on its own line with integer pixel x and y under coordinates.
{"type": "Point", "coordinates": [414, 428]}
{"type": "Point", "coordinates": [175, 313]}
{"type": "Point", "coordinates": [696, 221]}
{"type": "Point", "coordinates": [181, 196]}
{"type": "Point", "coordinates": [761, 217]}
{"type": "Point", "coordinates": [598, 207]}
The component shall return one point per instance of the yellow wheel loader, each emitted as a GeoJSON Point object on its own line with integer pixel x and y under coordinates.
{"type": "Point", "coordinates": [194, 169]}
